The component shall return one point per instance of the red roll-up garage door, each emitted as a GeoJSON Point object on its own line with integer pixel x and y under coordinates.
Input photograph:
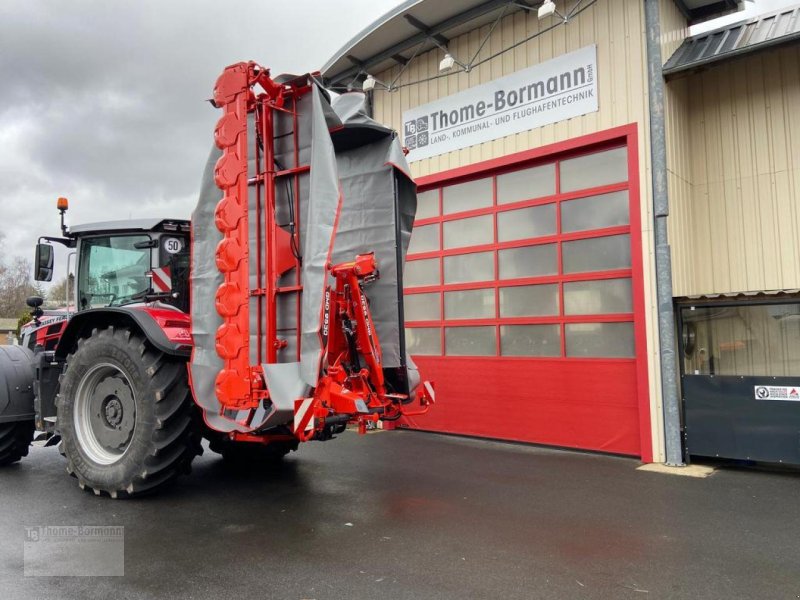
{"type": "Point", "coordinates": [523, 297]}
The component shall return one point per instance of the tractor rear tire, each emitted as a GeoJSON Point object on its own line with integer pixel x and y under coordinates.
{"type": "Point", "coordinates": [15, 439]}
{"type": "Point", "coordinates": [127, 420]}
{"type": "Point", "coordinates": [250, 452]}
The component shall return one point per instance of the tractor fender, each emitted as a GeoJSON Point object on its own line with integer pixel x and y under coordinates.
{"type": "Point", "coordinates": [167, 329]}
{"type": "Point", "coordinates": [16, 384]}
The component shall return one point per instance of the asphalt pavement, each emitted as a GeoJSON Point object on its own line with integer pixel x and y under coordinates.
{"type": "Point", "coordinates": [415, 515]}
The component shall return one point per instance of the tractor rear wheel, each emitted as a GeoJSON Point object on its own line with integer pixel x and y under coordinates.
{"type": "Point", "coordinates": [15, 439]}
{"type": "Point", "coordinates": [125, 413]}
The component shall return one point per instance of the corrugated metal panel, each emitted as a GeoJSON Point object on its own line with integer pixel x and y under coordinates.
{"type": "Point", "coordinates": [617, 27]}
{"type": "Point", "coordinates": [755, 295]}
{"type": "Point", "coordinates": [737, 39]}
{"type": "Point", "coordinates": [735, 220]}
{"type": "Point", "coordinates": [674, 28]}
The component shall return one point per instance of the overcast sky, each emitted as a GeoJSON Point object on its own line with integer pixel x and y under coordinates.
{"type": "Point", "coordinates": [104, 101]}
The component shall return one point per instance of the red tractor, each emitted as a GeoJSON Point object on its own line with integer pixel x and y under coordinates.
{"type": "Point", "coordinates": [256, 325]}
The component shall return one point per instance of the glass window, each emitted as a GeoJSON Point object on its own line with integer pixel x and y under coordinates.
{"type": "Point", "coordinates": [593, 170]}
{"type": "Point", "coordinates": [530, 340]}
{"type": "Point", "coordinates": [113, 271]}
{"type": "Point", "coordinates": [526, 184]}
{"type": "Point", "coordinates": [597, 254]}
{"type": "Point", "coordinates": [424, 239]}
{"type": "Point", "coordinates": [757, 340]}
{"type": "Point", "coordinates": [595, 212]}
{"type": "Point", "coordinates": [529, 300]}
{"type": "Point", "coordinates": [424, 340]}
{"type": "Point", "coordinates": [422, 307]}
{"type": "Point", "coordinates": [469, 304]}
{"type": "Point", "coordinates": [609, 340]}
{"type": "Point", "coordinates": [598, 297]}
{"type": "Point", "coordinates": [428, 204]}
{"type": "Point", "coordinates": [421, 272]}
{"type": "Point", "coordinates": [468, 232]}
{"type": "Point", "coordinates": [465, 268]}
{"type": "Point", "coordinates": [470, 341]}
{"type": "Point", "coordinates": [531, 222]}
{"type": "Point", "coordinates": [467, 196]}
{"type": "Point", "coordinates": [530, 261]}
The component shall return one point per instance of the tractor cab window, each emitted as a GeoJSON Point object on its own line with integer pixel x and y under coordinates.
{"type": "Point", "coordinates": [113, 271]}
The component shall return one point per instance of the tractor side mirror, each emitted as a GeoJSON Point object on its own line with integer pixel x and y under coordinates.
{"type": "Point", "coordinates": [44, 262]}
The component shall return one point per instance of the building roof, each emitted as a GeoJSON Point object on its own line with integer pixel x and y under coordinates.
{"type": "Point", "coordinates": [764, 31]}
{"type": "Point", "coordinates": [416, 26]}
{"type": "Point", "coordinates": [8, 324]}
{"type": "Point", "coordinates": [699, 10]}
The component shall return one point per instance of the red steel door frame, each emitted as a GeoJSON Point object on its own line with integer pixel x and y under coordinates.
{"type": "Point", "coordinates": [626, 135]}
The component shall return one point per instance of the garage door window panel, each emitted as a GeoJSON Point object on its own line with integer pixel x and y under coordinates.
{"type": "Point", "coordinates": [418, 273]}
{"type": "Point", "coordinates": [470, 341]}
{"type": "Point", "coordinates": [471, 195]}
{"type": "Point", "coordinates": [526, 184]}
{"type": "Point", "coordinates": [526, 223]}
{"type": "Point", "coordinates": [424, 341]}
{"type": "Point", "coordinates": [473, 231]}
{"type": "Point", "coordinates": [606, 253]}
{"type": "Point", "coordinates": [428, 204]}
{"type": "Point", "coordinates": [600, 340]}
{"type": "Point", "coordinates": [595, 212]}
{"type": "Point", "coordinates": [529, 301]}
{"type": "Point", "coordinates": [422, 307]}
{"type": "Point", "coordinates": [530, 340]}
{"type": "Point", "coordinates": [424, 238]}
{"type": "Point", "coordinates": [594, 170]}
{"type": "Point", "coordinates": [468, 268]}
{"type": "Point", "coordinates": [469, 304]}
{"type": "Point", "coordinates": [528, 261]}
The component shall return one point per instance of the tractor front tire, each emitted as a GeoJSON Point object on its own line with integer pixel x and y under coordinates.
{"type": "Point", "coordinates": [126, 417]}
{"type": "Point", "coordinates": [15, 439]}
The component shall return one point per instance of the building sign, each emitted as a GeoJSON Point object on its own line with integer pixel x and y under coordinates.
{"type": "Point", "coordinates": [552, 91]}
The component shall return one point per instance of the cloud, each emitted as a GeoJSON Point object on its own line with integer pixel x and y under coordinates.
{"type": "Point", "coordinates": [105, 102]}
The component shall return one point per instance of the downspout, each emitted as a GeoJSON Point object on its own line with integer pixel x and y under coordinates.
{"type": "Point", "coordinates": [658, 161]}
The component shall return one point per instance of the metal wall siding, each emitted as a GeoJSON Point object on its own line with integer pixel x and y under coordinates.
{"type": "Point", "coordinates": [734, 223]}
{"type": "Point", "coordinates": [617, 28]}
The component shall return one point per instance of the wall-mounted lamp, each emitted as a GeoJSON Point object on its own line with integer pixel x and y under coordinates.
{"type": "Point", "coordinates": [547, 9]}
{"type": "Point", "coordinates": [369, 83]}
{"type": "Point", "coordinates": [447, 63]}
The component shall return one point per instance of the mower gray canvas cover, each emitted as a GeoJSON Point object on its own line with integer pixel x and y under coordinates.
{"type": "Point", "coordinates": [350, 155]}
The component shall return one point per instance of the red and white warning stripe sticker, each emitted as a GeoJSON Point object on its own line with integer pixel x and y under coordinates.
{"type": "Point", "coordinates": [429, 389]}
{"type": "Point", "coordinates": [162, 279]}
{"type": "Point", "coordinates": [303, 414]}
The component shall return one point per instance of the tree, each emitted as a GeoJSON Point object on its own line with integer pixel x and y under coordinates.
{"type": "Point", "coordinates": [58, 291]}
{"type": "Point", "coordinates": [15, 287]}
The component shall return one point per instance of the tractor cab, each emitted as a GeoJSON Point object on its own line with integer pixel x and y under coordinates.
{"type": "Point", "coordinates": [129, 262]}
{"type": "Point", "coordinates": [119, 263]}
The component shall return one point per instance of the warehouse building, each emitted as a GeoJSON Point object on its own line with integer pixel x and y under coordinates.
{"type": "Point", "coordinates": [604, 254]}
